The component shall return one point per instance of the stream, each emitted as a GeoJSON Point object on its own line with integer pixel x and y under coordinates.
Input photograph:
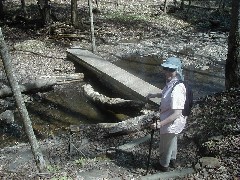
{"type": "Point", "coordinates": [203, 82]}
{"type": "Point", "coordinates": [53, 112]}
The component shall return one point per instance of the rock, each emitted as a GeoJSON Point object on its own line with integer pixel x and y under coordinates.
{"type": "Point", "coordinates": [6, 103]}
{"type": "Point", "coordinates": [169, 175]}
{"type": "Point", "coordinates": [7, 116]}
{"type": "Point", "coordinates": [204, 68]}
{"type": "Point", "coordinates": [216, 138]}
{"type": "Point", "coordinates": [209, 162]}
{"type": "Point", "coordinates": [93, 174]}
{"type": "Point", "coordinates": [197, 166]}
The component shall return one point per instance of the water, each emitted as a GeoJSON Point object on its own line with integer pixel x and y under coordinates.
{"type": "Point", "coordinates": [203, 82]}
{"type": "Point", "coordinates": [53, 112]}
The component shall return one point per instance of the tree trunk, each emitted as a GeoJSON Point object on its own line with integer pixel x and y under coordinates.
{"type": "Point", "coordinates": [115, 104]}
{"type": "Point", "coordinates": [232, 69]}
{"type": "Point", "coordinates": [182, 5]}
{"type": "Point", "coordinates": [92, 27]}
{"type": "Point", "coordinates": [189, 5]}
{"type": "Point", "coordinates": [130, 125]}
{"type": "Point", "coordinates": [1, 9]}
{"type": "Point", "coordinates": [96, 1]}
{"type": "Point", "coordinates": [21, 106]}
{"type": "Point", "coordinates": [222, 4]}
{"type": "Point", "coordinates": [74, 16]}
{"type": "Point", "coordinates": [42, 83]}
{"type": "Point", "coordinates": [125, 127]}
{"type": "Point", "coordinates": [165, 6]}
{"type": "Point", "coordinates": [23, 6]}
{"type": "Point", "coordinates": [44, 9]}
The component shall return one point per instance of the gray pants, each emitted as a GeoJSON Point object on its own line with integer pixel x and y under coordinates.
{"type": "Point", "coordinates": [168, 148]}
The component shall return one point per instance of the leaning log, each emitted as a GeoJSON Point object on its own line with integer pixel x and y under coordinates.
{"type": "Point", "coordinates": [42, 82]}
{"type": "Point", "coordinates": [131, 125]}
{"type": "Point", "coordinates": [38, 156]}
{"type": "Point", "coordinates": [113, 103]}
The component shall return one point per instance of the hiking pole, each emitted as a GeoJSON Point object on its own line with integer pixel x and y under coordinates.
{"type": "Point", "coordinates": [150, 149]}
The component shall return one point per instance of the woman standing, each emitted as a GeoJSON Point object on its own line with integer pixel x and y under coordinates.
{"type": "Point", "coordinates": [171, 121]}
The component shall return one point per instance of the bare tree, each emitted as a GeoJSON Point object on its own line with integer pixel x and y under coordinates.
{"type": "Point", "coordinates": [1, 9]}
{"type": "Point", "coordinates": [223, 3]}
{"type": "Point", "coordinates": [23, 7]}
{"type": "Point", "coordinates": [44, 8]}
{"type": "Point", "coordinates": [92, 27]}
{"type": "Point", "coordinates": [232, 69]}
{"type": "Point", "coordinates": [21, 105]}
{"type": "Point", "coordinates": [74, 15]}
{"type": "Point", "coordinates": [165, 6]}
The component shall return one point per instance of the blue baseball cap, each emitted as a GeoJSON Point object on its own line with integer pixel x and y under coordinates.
{"type": "Point", "coordinates": [172, 62]}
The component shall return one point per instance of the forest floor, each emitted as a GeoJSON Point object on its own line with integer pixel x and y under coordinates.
{"type": "Point", "coordinates": [212, 130]}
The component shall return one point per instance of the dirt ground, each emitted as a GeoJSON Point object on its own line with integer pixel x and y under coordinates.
{"type": "Point", "coordinates": [94, 155]}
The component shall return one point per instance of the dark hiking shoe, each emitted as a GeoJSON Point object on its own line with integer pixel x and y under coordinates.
{"type": "Point", "coordinates": [159, 167]}
{"type": "Point", "coordinates": [173, 163]}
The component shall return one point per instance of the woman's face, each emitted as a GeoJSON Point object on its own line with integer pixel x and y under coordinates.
{"type": "Point", "coordinates": [169, 73]}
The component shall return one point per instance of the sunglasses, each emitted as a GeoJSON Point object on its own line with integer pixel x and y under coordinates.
{"type": "Point", "coordinates": [168, 69]}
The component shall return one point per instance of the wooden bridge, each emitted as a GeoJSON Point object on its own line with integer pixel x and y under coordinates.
{"type": "Point", "coordinates": [121, 80]}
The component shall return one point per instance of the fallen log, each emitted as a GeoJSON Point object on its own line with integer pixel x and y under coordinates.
{"type": "Point", "coordinates": [113, 103]}
{"type": "Point", "coordinates": [42, 82]}
{"type": "Point", "coordinates": [79, 36]}
{"type": "Point", "coordinates": [128, 126]}
{"type": "Point", "coordinates": [131, 125]}
{"type": "Point", "coordinates": [124, 127]}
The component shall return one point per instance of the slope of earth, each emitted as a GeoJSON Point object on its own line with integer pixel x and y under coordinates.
{"type": "Point", "coordinates": [212, 129]}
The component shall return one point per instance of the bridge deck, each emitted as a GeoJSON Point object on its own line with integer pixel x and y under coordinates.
{"type": "Point", "coordinates": [124, 81]}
